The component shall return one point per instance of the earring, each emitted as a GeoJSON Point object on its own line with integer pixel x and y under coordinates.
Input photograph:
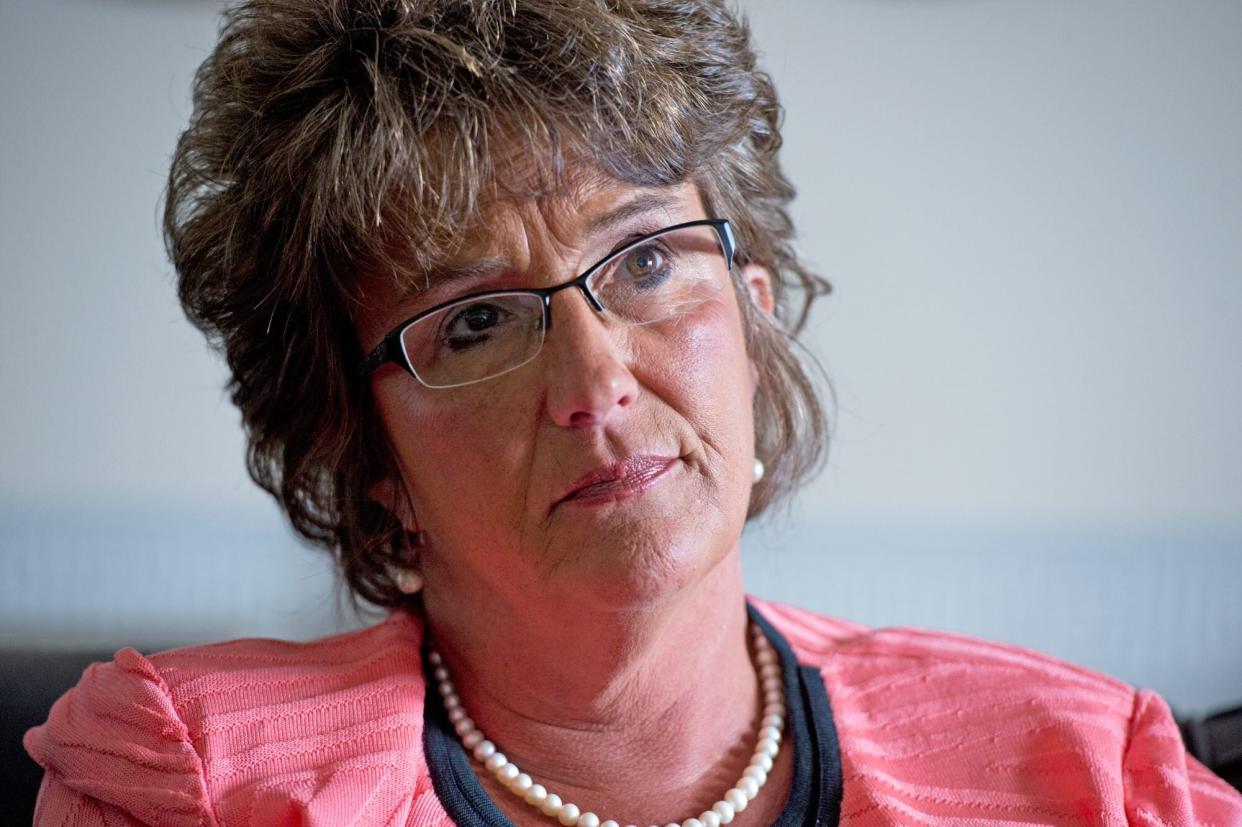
{"type": "Point", "coordinates": [758, 470]}
{"type": "Point", "coordinates": [409, 581]}
{"type": "Point", "coordinates": [408, 578]}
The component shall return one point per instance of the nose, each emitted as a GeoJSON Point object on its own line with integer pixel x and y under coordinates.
{"type": "Point", "coordinates": [588, 380]}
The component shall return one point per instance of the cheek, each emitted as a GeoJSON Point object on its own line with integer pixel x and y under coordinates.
{"type": "Point", "coordinates": [450, 448]}
{"type": "Point", "coordinates": [707, 339]}
{"type": "Point", "coordinates": [704, 372]}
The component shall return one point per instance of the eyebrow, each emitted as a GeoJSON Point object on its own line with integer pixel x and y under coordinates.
{"type": "Point", "coordinates": [445, 274]}
{"type": "Point", "coordinates": [640, 204]}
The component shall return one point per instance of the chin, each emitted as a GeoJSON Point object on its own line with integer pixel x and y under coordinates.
{"type": "Point", "coordinates": [649, 567]}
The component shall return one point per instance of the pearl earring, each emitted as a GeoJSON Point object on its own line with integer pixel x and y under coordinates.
{"type": "Point", "coordinates": [758, 470]}
{"type": "Point", "coordinates": [408, 578]}
{"type": "Point", "coordinates": [409, 581]}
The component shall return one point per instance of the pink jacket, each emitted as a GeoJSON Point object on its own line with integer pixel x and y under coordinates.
{"type": "Point", "coordinates": [932, 728]}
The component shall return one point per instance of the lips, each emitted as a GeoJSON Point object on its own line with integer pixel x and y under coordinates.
{"type": "Point", "coordinates": [617, 481]}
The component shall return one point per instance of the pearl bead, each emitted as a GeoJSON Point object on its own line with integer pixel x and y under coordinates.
{"type": "Point", "coordinates": [608, 823]}
{"type": "Point", "coordinates": [590, 820]}
{"type": "Point", "coordinates": [484, 750]}
{"type": "Point", "coordinates": [464, 727]}
{"type": "Point", "coordinates": [773, 696]}
{"type": "Point", "coordinates": [773, 720]}
{"type": "Point", "coordinates": [710, 818]}
{"type": "Point", "coordinates": [738, 799]}
{"type": "Point", "coordinates": [765, 656]}
{"type": "Point", "coordinates": [457, 715]}
{"type": "Point", "coordinates": [521, 783]}
{"type": "Point", "coordinates": [472, 739]}
{"type": "Point", "coordinates": [495, 761]}
{"type": "Point", "coordinates": [762, 760]}
{"type": "Point", "coordinates": [770, 732]}
{"type": "Point", "coordinates": [434, 657]}
{"type": "Point", "coordinates": [536, 794]}
{"type": "Point", "coordinates": [756, 773]}
{"type": "Point", "coordinates": [441, 673]}
{"type": "Point", "coordinates": [568, 815]}
{"type": "Point", "coordinates": [749, 787]}
{"type": "Point", "coordinates": [451, 701]}
{"type": "Point", "coordinates": [725, 810]}
{"type": "Point", "coordinates": [769, 746]}
{"type": "Point", "coordinates": [551, 805]}
{"type": "Point", "coordinates": [774, 709]}
{"type": "Point", "coordinates": [507, 773]}
{"type": "Point", "coordinates": [692, 822]}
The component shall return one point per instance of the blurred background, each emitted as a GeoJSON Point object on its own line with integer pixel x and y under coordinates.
{"type": "Point", "coordinates": [1032, 215]}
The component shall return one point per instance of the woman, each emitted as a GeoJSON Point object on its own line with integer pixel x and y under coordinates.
{"type": "Point", "coordinates": [505, 290]}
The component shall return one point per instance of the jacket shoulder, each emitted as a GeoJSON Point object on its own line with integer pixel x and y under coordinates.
{"type": "Point", "coordinates": [956, 728]}
{"type": "Point", "coordinates": [211, 679]}
{"type": "Point", "coordinates": [255, 728]}
{"type": "Point", "coordinates": [854, 651]}
{"type": "Point", "coordinates": [116, 741]}
{"type": "Point", "coordinates": [953, 726]}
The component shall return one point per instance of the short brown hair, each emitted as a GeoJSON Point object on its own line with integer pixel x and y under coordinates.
{"type": "Point", "coordinates": [336, 138]}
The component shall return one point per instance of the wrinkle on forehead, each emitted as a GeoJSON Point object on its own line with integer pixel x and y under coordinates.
{"type": "Point", "coordinates": [516, 213]}
{"type": "Point", "coordinates": [536, 234]}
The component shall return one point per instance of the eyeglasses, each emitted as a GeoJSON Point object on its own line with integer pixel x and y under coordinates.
{"type": "Point", "coordinates": [483, 335]}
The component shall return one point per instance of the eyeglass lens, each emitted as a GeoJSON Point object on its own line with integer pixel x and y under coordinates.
{"type": "Point", "coordinates": [657, 278]}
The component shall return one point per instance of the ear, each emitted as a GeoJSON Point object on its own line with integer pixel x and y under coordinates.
{"type": "Point", "coordinates": [390, 493]}
{"type": "Point", "coordinates": [758, 283]}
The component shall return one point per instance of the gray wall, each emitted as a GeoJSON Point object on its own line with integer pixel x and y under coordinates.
{"type": "Point", "coordinates": [1031, 212]}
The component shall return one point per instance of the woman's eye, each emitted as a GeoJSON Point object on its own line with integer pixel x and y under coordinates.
{"type": "Point", "coordinates": [471, 325]}
{"type": "Point", "coordinates": [644, 262]}
{"type": "Point", "coordinates": [477, 317]}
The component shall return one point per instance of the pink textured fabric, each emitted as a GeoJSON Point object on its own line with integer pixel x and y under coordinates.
{"type": "Point", "coordinates": [935, 729]}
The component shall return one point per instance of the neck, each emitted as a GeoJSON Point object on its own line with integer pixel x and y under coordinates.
{"type": "Point", "coordinates": [661, 701]}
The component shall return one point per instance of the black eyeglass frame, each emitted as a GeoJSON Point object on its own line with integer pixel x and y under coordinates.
{"type": "Point", "coordinates": [390, 349]}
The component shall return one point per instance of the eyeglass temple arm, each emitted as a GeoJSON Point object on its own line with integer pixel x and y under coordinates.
{"type": "Point", "coordinates": [730, 242]}
{"type": "Point", "coordinates": [374, 359]}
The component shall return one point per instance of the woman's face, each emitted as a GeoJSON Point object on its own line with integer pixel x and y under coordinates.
{"type": "Point", "coordinates": [666, 406]}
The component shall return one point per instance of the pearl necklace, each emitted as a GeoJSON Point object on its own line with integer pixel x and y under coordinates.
{"type": "Point", "coordinates": [536, 795]}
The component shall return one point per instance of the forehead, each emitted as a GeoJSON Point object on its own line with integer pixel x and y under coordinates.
{"type": "Point", "coordinates": [524, 232]}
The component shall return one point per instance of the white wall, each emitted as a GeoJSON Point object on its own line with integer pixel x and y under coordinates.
{"type": "Point", "coordinates": [1031, 212]}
